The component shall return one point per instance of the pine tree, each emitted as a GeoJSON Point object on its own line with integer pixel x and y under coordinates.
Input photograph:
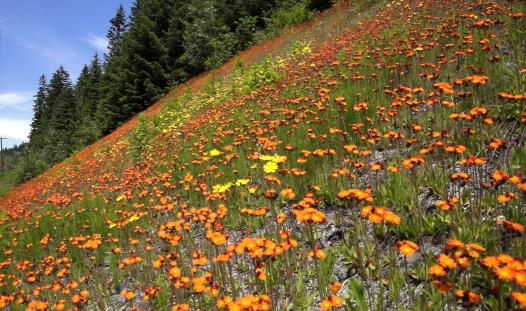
{"type": "Point", "coordinates": [144, 76]}
{"type": "Point", "coordinates": [88, 94]}
{"type": "Point", "coordinates": [38, 123]}
{"type": "Point", "coordinates": [60, 117]}
{"type": "Point", "coordinates": [119, 26]}
{"type": "Point", "coordinates": [177, 68]}
{"type": "Point", "coordinates": [107, 110]}
{"type": "Point", "coordinates": [82, 91]}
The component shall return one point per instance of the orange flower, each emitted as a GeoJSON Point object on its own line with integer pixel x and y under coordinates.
{"type": "Point", "coordinates": [260, 271]}
{"type": "Point", "coordinates": [446, 261]}
{"type": "Point", "coordinates": [288, 193]}
{"type": "Point", "coordinates": [477, 80]}
{"type": "Point", "coordinates": [520, 279]}
{"type": "Point", "coordinates": [442, 286]}
{"type": "Point", "coordinates": [412, 162]}
{"type": "Point", "coordinates": [36, 305]}
{"type": "Point", "coordinates": [181, 307]}
{"type": "Point", "coordinates": [444, 87]}
{"type": "Point", "coordinates": [506, 197]}
{"type": "Point", "coordinates": [473, 160]}
{"type": "Point", "coordinates": [393, 169]}
{"type": "Point", "coordinates": [356, 194]}
{"type": "Point", "coordinates": [331, 302]}
{"type": "Point", "coordinates": [496, 143]}
{"type": "Point", "coordinates": [519, 297]}
{"type": "Point", "coordinates": [379, 214]}
{"type": "Point", "coordinates": [80, 298]}
{"type": "Point", "coordinates": [310, 215]}
{"type": "Point", "coordinates": [460, 175]}
{"type": "Point", "coordinates": [510, 225]}
{"type": "Point", "coordinates": [448, 204]}
{"type": "Point", "coordinates": [407, 248]}
{"type": "Point", "coordinates": [217, 238]}
{"type": "Point", "coordinates": [247, 303]}
{"type": "Point", "coordinates": [174, 272]}
{"type": "Point", "coordinates": [128, 294]}
{"type": "Point", "coordinates": [505, 273]}
{"type": "Point", "coordinates": [469, 296]}
{"type": "Point", "coordinates": [437, 271]}
{"type": "Point", "coordinates": [490, 261]}
{"type": "Point", "coordinates": [458, 149]}
{"type": "Point", "coordinates": [335, 286]}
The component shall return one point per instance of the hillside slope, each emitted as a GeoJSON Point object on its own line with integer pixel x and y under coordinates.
{"type": "Point", "coordinates": [379, 167]}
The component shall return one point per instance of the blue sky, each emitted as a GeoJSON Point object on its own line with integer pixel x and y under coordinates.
{"type": "Point", "coordinates": [38, 36]}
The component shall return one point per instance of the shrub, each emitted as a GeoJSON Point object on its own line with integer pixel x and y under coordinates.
{"type": "Point", "coordinates": [28, 167]}
{"type": "Point", "coordinates": [141, 136]}
{"type": "Point", "coordinates": [283, 17]}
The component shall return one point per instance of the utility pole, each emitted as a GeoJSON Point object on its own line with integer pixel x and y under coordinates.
{"type": "Point", "coordinates": [2, 153]}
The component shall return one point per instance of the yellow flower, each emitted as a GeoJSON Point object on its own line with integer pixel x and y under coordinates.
{"type": "Point", "coordinates": [242, 182]}
{"type": "Point", "coordinates": [219, 188]}
{"type": "Point", "coordinates": [134, 218]}
{"type": "Point", "coordinates": [252, 190]}
{"type": "Point", "coordinates": [270, 167]}
{"type": "Point", "coordinates": [120, 197]}
{"type": "Point", "coordinates": [215, 153]}
{"type": "Point", "coordinates": [274, 158]}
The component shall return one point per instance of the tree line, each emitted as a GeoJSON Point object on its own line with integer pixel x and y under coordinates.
{"type": "Point", "coordinates": [160, 44]}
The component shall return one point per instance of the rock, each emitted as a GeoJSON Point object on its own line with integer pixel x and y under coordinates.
{"type": "Point", "coordinates": [341, 270]}
{"type": "Point", "coordinates": [427, 198]}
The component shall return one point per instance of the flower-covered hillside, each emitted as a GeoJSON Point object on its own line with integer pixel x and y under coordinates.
{"type": "Point", "coordinates": [381, 169]}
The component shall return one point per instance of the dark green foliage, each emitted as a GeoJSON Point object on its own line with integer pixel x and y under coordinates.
{"type": "Point", "coordinates": [107, 112]}
{"type": "Point", "coordinates": [119, 25]}
{"type": "Point", "coordinates": [39, 108]}
{"type": "Point", "coordinates": [144, 77]}
{"type": "Point", "coordinates": [319, 5]}
{"type": "Point", "coordinates": [88, 94]}
{"type": "Point", "coordinates": [60, 118]}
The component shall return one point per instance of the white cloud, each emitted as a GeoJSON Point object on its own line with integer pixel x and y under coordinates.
{"type": "Point", "coordinates": [99, 43]}
{"type": "Point", "coordinates": [58, 55]}
{"type": "Point", "coordinates": [15, 129]}
{"type": "Point", "coordinates": [16, 100]}
{"type": "Point", "coordinates": [50, 49]}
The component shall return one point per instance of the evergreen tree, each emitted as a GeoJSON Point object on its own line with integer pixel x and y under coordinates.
{"type": "Point", "coordinates": [82, 91]}
{"type": "Point", "coordinates": [60, 112]}
{"type": "Point", "coordinates": [177, 68]}
{"type": "Point", "coordinates": [88, 94]}
{"type": "Point", "coordinates": [144, 77]}
{"type": "Point", "coordinates": [38, 123]}
{"type": "Point", "coordinates": [107, 110]}
{"type": "Point", "coordinates": [118, 27]}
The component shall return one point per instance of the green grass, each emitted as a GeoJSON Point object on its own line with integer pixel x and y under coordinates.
{"type": "Point", "coordinates": [7, 181]}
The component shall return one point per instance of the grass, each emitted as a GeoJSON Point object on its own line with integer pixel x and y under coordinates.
{"type": "Point", "coordinates": [382, 169]}
{"type": "Point", "coordinates": [7, 181]}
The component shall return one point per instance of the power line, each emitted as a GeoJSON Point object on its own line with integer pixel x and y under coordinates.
{"type": "Point", "coordinates": [2, 166]}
